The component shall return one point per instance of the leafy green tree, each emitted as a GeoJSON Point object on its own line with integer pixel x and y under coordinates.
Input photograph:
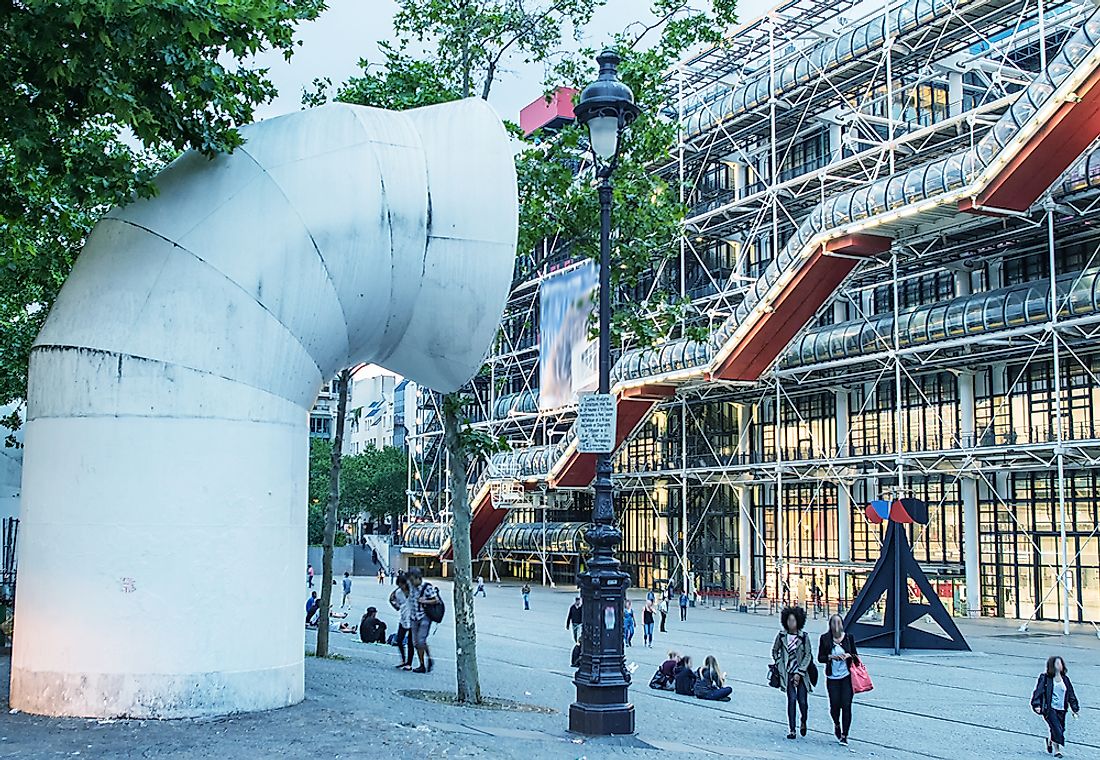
{"type": "Point", "coordinates": [467, 42]}
{"type": "Point", "coordinates": [96, 94]}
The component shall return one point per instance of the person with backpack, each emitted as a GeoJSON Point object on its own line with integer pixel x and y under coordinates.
{"type": "Point", "coordinates": [837, 651]}
{"type": "Point", "coordinates": [425, 608]}
{"type": "Point", "coordinates": [793, 658]}
{"type": "Point", "coordinates": [684, 678]}
{"type": "Point", "coordinates": [1053, 696]}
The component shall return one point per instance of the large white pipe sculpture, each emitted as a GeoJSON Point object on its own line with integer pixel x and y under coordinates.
{"type": "Point", "coordinates": [162, 545]}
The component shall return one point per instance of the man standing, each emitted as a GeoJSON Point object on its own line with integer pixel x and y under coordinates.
{"type": "Point", "coordinates": [683, 605]}
{"type": "Point", "coordinates": [574, 620]}
{"type": "Point", "coordinates": [662, 607]}
{"type": "Point", "coordinates": [421, 595]}
{"type": "Point", "coordinates": [526, 596]}
{"type": "Point", "coordinates": [347, 591]}
{"type": "Point", "coordinates": [309, 575]}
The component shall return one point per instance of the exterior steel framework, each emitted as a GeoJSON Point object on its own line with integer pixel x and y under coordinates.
{"type": "Point", "coordinates": [955, 361]}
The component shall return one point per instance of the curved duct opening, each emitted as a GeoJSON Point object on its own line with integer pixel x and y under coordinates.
{"type": "Point", "coordinates": [165, 471]}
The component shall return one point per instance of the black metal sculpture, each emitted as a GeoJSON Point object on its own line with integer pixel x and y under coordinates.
{"type": "Point", "coordinates": [891, 576]}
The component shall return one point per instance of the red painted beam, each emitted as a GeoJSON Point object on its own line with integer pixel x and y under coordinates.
{"type": "Point", "coordinates": [1048, 153]}
{"type": "Point", "coordinates": [483, 523]}
{"type": "Point", "coordinates": [796, 304]}
{"type": "Point", "coordinates": [579, 469]}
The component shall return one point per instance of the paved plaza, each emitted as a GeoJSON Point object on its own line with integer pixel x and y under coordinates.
{"type": "Point", "coordinates": [924, 705]}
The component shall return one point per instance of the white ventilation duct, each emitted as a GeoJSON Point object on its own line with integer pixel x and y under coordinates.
{"type": "Point", "coordinates": [162, 545]}
{"type": "Point", "coordinates": [11, 465]}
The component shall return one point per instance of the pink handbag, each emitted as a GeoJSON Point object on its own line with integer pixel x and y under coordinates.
{"type": "Point", "coordinates": [861, 679]}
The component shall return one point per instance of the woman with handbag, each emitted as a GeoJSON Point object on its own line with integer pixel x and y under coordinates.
{"type": "Point", "coordinates": [793, 658]}
{"type": "Point", "coordinates": [837, 651]}
{"type": "Point", "coordinates": [1052, 697]}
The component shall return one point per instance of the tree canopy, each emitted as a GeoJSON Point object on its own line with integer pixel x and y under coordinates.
{"type": "Point", "coordinates": [372, 482]}
{"type": "Point", "coordinates": [96, 95]}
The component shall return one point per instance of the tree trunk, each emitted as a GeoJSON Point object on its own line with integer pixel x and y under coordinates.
{"type": "Point", "coordinates": [469, 686]}
{"type": "Point", "coordinates": [330, 514]}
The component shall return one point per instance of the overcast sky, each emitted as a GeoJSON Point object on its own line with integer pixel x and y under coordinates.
{"type": "Point", "coordinates": [351, 29]}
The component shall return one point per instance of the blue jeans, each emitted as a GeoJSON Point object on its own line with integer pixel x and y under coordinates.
{"type": "Point", "coordinates": [526, 601]}
{"type": "Point", "coordinates": [648, 628]}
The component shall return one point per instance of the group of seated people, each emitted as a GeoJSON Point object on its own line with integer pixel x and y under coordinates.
{"type": "Point", "coordinates": [371, 630]}
{"type": "Point", "coordinates": [676, 674]}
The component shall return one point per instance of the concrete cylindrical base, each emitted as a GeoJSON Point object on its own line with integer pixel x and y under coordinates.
{"type": "Point", "coordinates": [162, 576]}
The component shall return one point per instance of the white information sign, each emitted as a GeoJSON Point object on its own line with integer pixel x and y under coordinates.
{"type": "Point", "coordinates": [596, 423]}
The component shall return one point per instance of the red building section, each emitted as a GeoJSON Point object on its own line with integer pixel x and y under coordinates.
{"type": "Point", "coordinates": [484, 521]}
{"type": "Point", "coordinates": [1049, 152]}
{"type": "Point", "coordinates": [548, 114]}
{"type": "Point", "coordinates": [799, 300]}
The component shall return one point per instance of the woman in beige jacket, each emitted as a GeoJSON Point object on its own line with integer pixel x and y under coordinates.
{"type": "Point", "coordinates": [793, 658]}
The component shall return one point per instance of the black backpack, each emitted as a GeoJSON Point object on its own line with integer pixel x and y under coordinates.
{"type": "Point", "coordinates": [435, 612]}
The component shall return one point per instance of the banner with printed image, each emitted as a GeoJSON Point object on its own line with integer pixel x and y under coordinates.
{"type": "Point", "coordinates": [568, 357]}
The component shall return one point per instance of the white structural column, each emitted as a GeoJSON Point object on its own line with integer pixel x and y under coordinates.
{"type": "Point", "coordinates": [167, 442]}
{"type": "Point", "coordinates": [968, 487]}
{"type": "Point", "coordinates": [11, 468]}
{"type": "Point", "coordinates": [843, 494]}
{"type": "Point", "coordinates": [744, 503]}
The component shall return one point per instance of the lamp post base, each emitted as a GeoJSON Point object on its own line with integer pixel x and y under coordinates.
{"type": "Point", "coordinates": [601, 711]}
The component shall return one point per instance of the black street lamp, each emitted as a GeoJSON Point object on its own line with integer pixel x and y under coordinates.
{"type": "Point", "coordinates": [606, 107]}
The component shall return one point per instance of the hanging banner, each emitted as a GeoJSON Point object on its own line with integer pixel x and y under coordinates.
{"type": "Point", "coordinates": [568, 358]}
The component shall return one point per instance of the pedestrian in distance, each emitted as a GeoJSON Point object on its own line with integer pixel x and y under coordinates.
{"type": "Point", "coordinates": [399, 600]}
{"type": "Point", "coordinates": [665, 677]}
{"type": "Point", "coordinates": [837, 651]}
{"type": "Point", "coordinates": [480, 586]}
{"type": "Point", "coordinates": [684, 677]}
{"type": "Point", "coordinates": [628, 624]}
{"type": "Point", "coordinates": [647, 624]}
{"type": "Point", "coordinates": [662, 607]}
{"type": "Point", "coordinates": [793, 658]}
{"type": "Point", "coordinates": [313, 606]}
{"type": "Point", "coordinates": [650, 596]}
{"type": "Point", "coordinates": [683, 605]}
{"type": "Point", "coordinates": [1052, 698]}
{"type": "Point", "coordinates": [574, 619]}
{"type": "Point", "coordinates": [373, 553]}
{"type": "Point", "coordinates": [381, 577]}
{"type": "Point", "coordinates": [711, 683]}
{"type": "Point", "coordinates": [526, 591]}
{"type": "Point", "coordinates": [347, 591]}
{"type": "Point", "coordinates": [421, 595]}
{"type": "Point", "coordinates": [309, 576]}
{"type": "Point", "coordinates": [363, 543]}
{"type": "Point", "coordinates": [371, 629]}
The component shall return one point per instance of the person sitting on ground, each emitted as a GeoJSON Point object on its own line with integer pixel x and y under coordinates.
{"type": "Point", "coordinates": [684, 677]}
{"type": "Point", "coordinates": [664, 678]}
{"type": "Point", "coordinates": [345, 628]}
{"type": "Point", "coordinates": [712, 682]}
{"type": "Point", "coordinates": [371, 629]}
{"type": "Point", "coordinates": [313, 606]}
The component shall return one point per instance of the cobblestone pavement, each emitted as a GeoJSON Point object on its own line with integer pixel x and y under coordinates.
{"type": "Point", "coordinates": [924, 705]}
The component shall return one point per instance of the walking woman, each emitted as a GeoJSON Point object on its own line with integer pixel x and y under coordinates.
{"type": "Point", "coordinates": [712, 682]}
{"type": "Point", "coordinates": [647, 623]}
{"type": "Point", "coordinates": [399, 600]}
{"type": "Point", "coordinates": [1053, 695]}
{"type": "Point", "coordinates": [837, 651]}
{"type": "Point", "coordinates": [793, 657]}
{"type": "Point", "coordinates": [628, 624]}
